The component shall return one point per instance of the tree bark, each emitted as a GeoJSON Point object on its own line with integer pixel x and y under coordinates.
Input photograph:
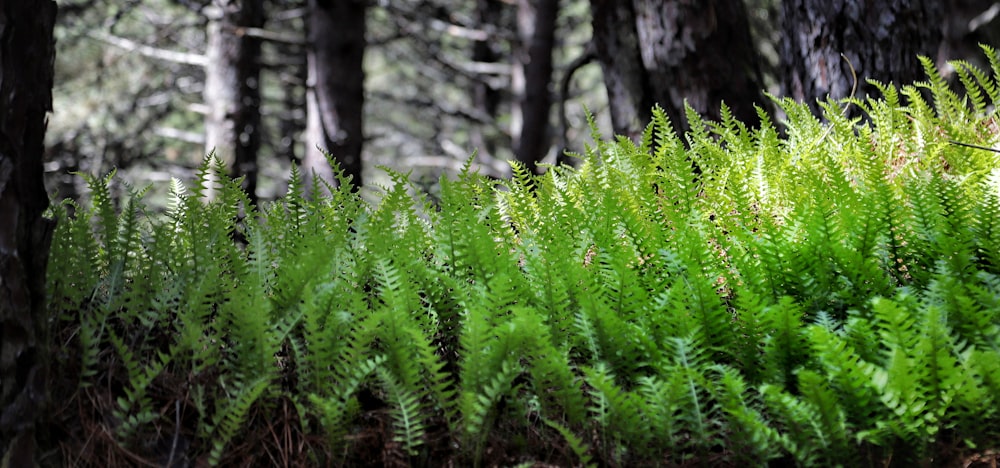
{"type": "Point", "coordinates": [232, 88]}
{"type": "Point", "coordinates": [880, 39]}
{"type": "Point", "coordinates": [335, 96]}
{"type": "Point", "coordinates": [531, 79]}
{"type": "Point", "coordinates": [669, 52]}
{"type": "Point", "coordinates": [700, 51]}
{"type": "Point", "coordinates": [968, 24]}
{"type": "Point", "coordinates": [616, 41]}
{"type": "Point", "coordinates": [27, 51]}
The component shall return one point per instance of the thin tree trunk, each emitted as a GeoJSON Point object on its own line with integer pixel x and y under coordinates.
{"type": "Point", "coordinates": [232, 88]}
{"type": "Point", "coordinates": [27, 51]}
{"type": "Point", "coordinates": [335, 96]}
{"type": "Point", "coordinates": [881, 40]}
{"type": "Point", "coordinates": [485, 97]}
{"type": "Point", "coordinates": [532, 77]}
{"type": "Point", "coordinates": [292, 81]}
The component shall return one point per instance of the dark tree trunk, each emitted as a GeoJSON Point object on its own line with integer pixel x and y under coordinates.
{"type": "Point", "coordinates": [486, 97]}
{"type": "Point", "coordinates": [232, 88]}
{"type": "Point", "coordinates": [881, 40]}
{"type": "Point", "coordinates": [967, 24]}
{"type": "Point", "coordinates": [667, 52]}
{"type": "Point", "coordinates": [335, 96]}
{"type": "Point", "coordinates": [27, 51]}
{"type": "Point", "coordinates": [536, 25]}
{"type": "Point", "coordinates": [699, 51]}
{"type": "Point", "coordinates": [616, 42]}
{"type": "Point", "coordinates": [292, 80]}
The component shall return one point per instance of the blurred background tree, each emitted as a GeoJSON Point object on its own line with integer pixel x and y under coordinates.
{"type": "Point", "coordinates": [335, 92]}
{"type": "Point", "coordinates": [232, 86]}
{"type": "Point", "coordinates": [150, 86]}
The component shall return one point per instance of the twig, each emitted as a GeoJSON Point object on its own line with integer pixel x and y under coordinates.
{"type": "Point", "coordinates": [142, 49]}
{"type": "Point", "coordinates": [854, 88]}
{"type": "Point", "coordinates": [970, 145]}
{"type": "Point", "coordinates": [177, 433]}
{"type": "Point", "coordinates": [271, 36]}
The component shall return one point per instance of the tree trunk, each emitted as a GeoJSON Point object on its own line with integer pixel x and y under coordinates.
{"type": "Point", "coordinates": [669, 52]}
{"type": "Point", "coordinates": [880, 39]}
{"type": "Point", "coordinates": [699, 51]}
{"type": "Point", "coordinates": [292, 81]}
{"type": "Point", "coordinates": [486, 97]}
{"type": "Point", "coordinates": [232, 91]}
{"type": "Point", "coordinates": [532, 76]}
{"type": "Point", "coordinates": [27, 51]}
{"type": "Point", "coordinates": [967, 24]}
{"type": "Point", "coordinates": [335, 96]}
{"type": "Point", "coordinates": [616, 41]}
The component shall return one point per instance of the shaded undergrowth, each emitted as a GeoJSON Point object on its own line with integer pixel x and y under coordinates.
{"type": "Point", "coordinates": [825, 295]}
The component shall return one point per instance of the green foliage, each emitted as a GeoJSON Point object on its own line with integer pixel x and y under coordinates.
{"type": "Point", "coordinates": [825, 292]}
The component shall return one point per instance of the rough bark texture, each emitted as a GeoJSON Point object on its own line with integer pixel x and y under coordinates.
{"type": "Point", "coordinates": [699, 51]}
{"type": "Point", "coordinates": [881, 40]}
{"type": "Point", "coordinates": [335, 97]}
{"type": "Point", "coordinates": [536, 25]}
{"type": "Point", "coordinates": [667, 52]}
{"type": "Point", "coordinates": [617, 46]}
{"type": "Point", "coordinates": [27, 52]}
{"type": "Point", "coordinates": [232, 91]}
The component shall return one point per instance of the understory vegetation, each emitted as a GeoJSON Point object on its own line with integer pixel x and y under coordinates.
{"type": "Point", "coordinates": [818, 292]}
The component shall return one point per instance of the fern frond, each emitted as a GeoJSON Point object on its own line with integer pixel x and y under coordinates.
{"type": "Point", "coordinates": [615, 411]}
{"type": "Point", "coordinates": [975, 83]}
{"type": "Point", "coordinates": [135, 407]}
{"type": "Point", "coordinates": [755, 440]}
{"type": "Point", "coordinates": [806, 424]}
{"type": "Point", "coordinates": [576, 444]}
{"type": "Point", "coordinates": [698, 412]}
{"type": "Point", "coordinates": [338, 405]}
{"type": "Point", "coordinates": [663, 398]}
{"type": "Point", "coordinates": [785, 350]}
{"type": "Point", "coordinates": [849, 375]}
{"type": "Point", "coordinates": [478, 406]}
{"type": "Point", "coordinates": [408, 422]}
{"type": "Point", "coordinates": [946, 102]}
{"type": "Point", "coordinates": [231, 414]}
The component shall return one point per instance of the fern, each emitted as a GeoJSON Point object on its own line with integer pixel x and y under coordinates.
{"type": "Point", "coordinates": [135, 407]}
{"type": "Point", "coordinates": [616, 413]}
{"type": "Point", "coordinates": [408, 423]}
{"type": "Point", "coordinates": [478, 406]}
{"type": "Point", "coordinates": [815, 428]}
{"type": "Point", "coordinates": [699, 413]}
{"type": "Point", "coordinates": [580, 449]}
{"type": "Point", "coordinates": [754, 439]}
{"type": "Point", "coordinates": [337, 408]}
{"type": "Point", "coordinates": [784, 350]}
{"type": "Point", "coordinates": [910, 381]}
{"type": "Point", "coordinates": [810, 288]}
{"type": "Point", "coordinates": [231, 414]}
{"type": "Point", "coordinates": [849, 376]}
